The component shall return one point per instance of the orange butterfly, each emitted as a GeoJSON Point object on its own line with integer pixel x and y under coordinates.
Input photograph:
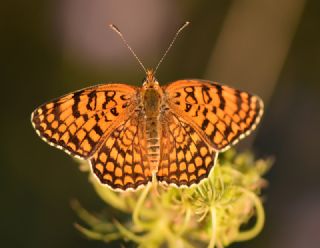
{"type": "Point", "coordinates": [132, 134]}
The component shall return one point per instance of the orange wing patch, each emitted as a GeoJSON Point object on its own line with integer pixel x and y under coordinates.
{"type": "Point", "coordinates": [121, 162]}
{"type": "Point", "coordinates": [78, 122]}
{"type": "Point", "coordinates": [220, 114]}
{"type": "Point", "coordinates": [185, 158]}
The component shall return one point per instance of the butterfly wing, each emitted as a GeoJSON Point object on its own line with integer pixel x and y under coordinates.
{"type": "Point", "coordinates": [79, 121]}
{"type": "Point", "coordinates": [121, 161]}
{"type": "Point", "coordinates": [185, 157]}
{"type": "Point", "coordinates": [219, 114]}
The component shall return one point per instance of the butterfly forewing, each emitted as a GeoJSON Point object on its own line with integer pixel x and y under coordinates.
{"type": "Point", "coordinates": [121, 162]}
{"type": "Point", "coordinates": [185, 158]}
{"type": "Point", "coordinates": [79, 121]}
{"type": "Point", "coordinates": [221, 115]}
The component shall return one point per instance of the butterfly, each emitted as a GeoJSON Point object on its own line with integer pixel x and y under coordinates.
{"type": "Point", "coordinates": [134, 135]}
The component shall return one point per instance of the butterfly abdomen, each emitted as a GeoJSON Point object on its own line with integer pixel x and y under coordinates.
{"type": "Point", "coordinates": [153, 142]}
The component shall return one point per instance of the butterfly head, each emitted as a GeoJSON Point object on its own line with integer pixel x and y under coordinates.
{"type": "Point", "coordinates": [150, 81]}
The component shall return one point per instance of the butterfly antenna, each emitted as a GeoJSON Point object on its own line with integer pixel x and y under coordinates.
{"type": "Point", "coordinates": [115, 29]}
{"type": "Point", "coordinates": [171, 44]}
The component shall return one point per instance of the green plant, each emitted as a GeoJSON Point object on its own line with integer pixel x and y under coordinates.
{"type": "Point", "coordinates": [214, 213]}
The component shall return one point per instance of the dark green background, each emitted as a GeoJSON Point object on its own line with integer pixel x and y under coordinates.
{"type": "Point", "coordinates": [37, 182]}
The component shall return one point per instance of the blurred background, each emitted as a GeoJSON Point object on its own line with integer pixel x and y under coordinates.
{"type": "Point", "coordinates": [49, 48]}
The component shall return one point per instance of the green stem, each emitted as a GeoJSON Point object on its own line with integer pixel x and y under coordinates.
{"type": "Point", "coordinates": [137, 209]}
{"type": "Point", "coordinates": [84, 215]}
{"type": "Point", "coordinates": [110, 197]}
{"type": "Point", "coordinates": [128, 234]}
{"type": "Point", "coordinates": [260, 215]}
{"type": "Point", "coordinates": [213, 227]}
{"type": "Point", "coordinates": [171, 238]}
{"type": "Point", "coordinates": [97, 235]}
{"type": "Point", "coordinates": [186, 220]}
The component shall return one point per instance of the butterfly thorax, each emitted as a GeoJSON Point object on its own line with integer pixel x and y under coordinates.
{"type": "Point", "coordinates": [151, 98]}
{"type": "Point", "coordinates": [151, 95]}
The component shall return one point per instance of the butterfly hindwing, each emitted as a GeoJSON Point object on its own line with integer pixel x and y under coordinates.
{"type": "Point", "coordinates": [78, 122]}
{"type": "Point", "coordinates": [185, 158]}
{"type": "Point", "coordinates": [121, 162]}
{"type": "Point", "coordinates": [220, 114]}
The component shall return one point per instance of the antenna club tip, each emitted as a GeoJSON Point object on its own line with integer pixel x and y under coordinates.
{"type": "Point", "coordinates": [112, 26]}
